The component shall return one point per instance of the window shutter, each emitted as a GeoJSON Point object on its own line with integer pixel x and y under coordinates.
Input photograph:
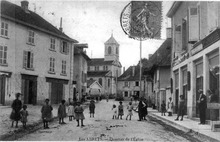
{"type": "Point", "coordinates": [32, 61]}
{"type": "Point", "coordinates": [25, 59]}
{"type": "Point", "coordinates": [178, 39]}
{"type": "Point", "coordinates": [68, 48]}
{"type": "Point", "coordinates": [188, 80]}
{"type": "Point", "coordinates": [193, 24]}
{"type": "Point", "coordinates": [61, 46]}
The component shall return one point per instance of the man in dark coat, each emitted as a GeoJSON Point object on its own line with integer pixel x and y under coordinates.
{"type": "Point", "coordinates": [202, 102]}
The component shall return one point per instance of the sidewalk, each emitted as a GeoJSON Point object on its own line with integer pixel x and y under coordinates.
{"type": "Point", "coordinates": [34, 118]}
{"type": "Point", "coordinates": [187, 125]}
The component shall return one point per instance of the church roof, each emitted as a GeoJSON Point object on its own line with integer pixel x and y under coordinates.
{"type": "Point", "coordinates": [111, 40]}
{"type": "Point", "coordinates": [99, 61]}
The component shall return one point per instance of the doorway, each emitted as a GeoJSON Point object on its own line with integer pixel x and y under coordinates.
{"type": "Point", "coordinates": [2, 89]}
{"type": "Point", "coordinates": [29, 89]}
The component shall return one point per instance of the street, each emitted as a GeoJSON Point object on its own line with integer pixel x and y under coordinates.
{"type": "Point", "coordinates": [104, 128]}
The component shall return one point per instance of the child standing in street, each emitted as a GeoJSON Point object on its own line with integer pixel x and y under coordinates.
{"type": "Point", "coordinates": [92, 108]}
{"type": "Point", "coordinates": [114, 110]}
{"type": "Point", "coordinates": [79, 114]}
{"type": "Point", "coordinates": [120, 110]}
{"type": "Point", "coordinates": [130, 108]}
{"type": "Point", "coordinates": [46, 112]}
{"type": "Point", "coordinates": [24, 114]}
{"type": "Point", "coordinates": [163, 108]}
{"type": "Point", "coordinates": [62, 112]}
{"type": "Point", "coordinates": [71, 113]}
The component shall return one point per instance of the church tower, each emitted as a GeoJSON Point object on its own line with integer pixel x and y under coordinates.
{"type": "Point", "coordinates": [111, 49]}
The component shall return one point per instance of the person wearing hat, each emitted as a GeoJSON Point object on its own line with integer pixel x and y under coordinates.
{"type": "Point", "coordinates": [202, 102]}
{"type": "Point", "coordinates": [170, 107]}
{"type": "Point", "coordinates": [79, 114]}
{"type": "Point", "coordinates": [16, 107]}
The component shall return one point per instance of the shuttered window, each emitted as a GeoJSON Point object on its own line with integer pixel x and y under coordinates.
{"type": "Point", "coordinates": [193, 24]}
{"type": "Point", "coordinates": [52, 65]}
{"type": "Point", "coordinates": [64, 47]}
{"type": "Point", "coordinates": [4, 29]}
{"type": "Point", "coordinates": [63, 67]}
{"type": "Point", "coordinates": [28, 60]}
{"type": "Point", "coordinates": [3, 55]}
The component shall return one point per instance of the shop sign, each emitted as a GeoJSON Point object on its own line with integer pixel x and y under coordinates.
{"type": "Point", "coordinates": [197, 49]}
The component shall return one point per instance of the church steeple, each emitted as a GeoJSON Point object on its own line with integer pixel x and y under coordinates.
{"type": "Point", "coordinates": [111, 49]}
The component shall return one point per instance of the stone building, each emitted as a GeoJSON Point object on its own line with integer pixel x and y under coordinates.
{"type": "Point", "coordinates": [106, 70]}
{"type": "Point", "coordinates": [195, 52]}
{"type": "Point", "coordinates": [35, 57]}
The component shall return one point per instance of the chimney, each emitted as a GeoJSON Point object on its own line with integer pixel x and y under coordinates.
{"type": "Point", "coordinates": [24, 5]}
{"type": "Point", "coordinates": [169, 33]}
{"type": "Point", "coordinates": [123, 69]}
{"type": "Point", "coordinates": [149, 55]}
{"type": "Point", "coordinates": [61, 29]}
{"type": "Point", "coordinates": [133, 70]}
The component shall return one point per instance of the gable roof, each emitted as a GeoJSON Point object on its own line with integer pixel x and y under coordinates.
{"type": "Point", "coordinates": [97, 73]}
{"type": "Point", "coordinates": [162, 57]}
{"type": "Point", "coordinates": [128, 75]}
{"type": "Point", "coordinates": [16, 14]}
{"type": "Point", "coordinates": [91, 82]}
{"type": "Point", "coordinates": [99, 61]}
{"type": "Point", "coordinates": [111, 40]}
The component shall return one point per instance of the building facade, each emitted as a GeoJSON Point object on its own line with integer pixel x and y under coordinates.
{"type": "Point", "coordinates": [159, 70]}
{"type": "Point", "coordinates": [35, 57]}
{"type": "Point", "coordinates": [80, 71]}
{"type": "Point", "coordinates": [106, 70]}
{"type": "Point", "coordinates": [129, 84]}
{"type": "Point", "coordinates": [195, 53]}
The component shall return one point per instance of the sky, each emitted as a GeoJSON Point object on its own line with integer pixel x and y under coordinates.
{"type": "Point", "coordinates": [93, 22]}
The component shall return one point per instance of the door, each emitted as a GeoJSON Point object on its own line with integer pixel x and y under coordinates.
{"type": "Point", "coordinates": [176, 100]}
{"type": "Point", "coordinates": [56, 92]}
{"type": "Point", "coordinates": [2, 89]}
{"type": "Point", "coordinates": [199, 85]}
{"type": "Point", "coordinates": [29, 85]}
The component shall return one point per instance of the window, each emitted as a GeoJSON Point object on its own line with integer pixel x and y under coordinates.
{"type": "Point", "coordinates": [193, 24]}
{"type": "Point", "coordinates": [184, 35]}
{"type": "Point", "coordinates": [88, 68]}
{"type": "Point", "coordinates": [105, 68]}
{"type": "Point", "coordinates": [100, 81]}
{"type": "Point", "coordinates": [137, 83]}
{"type": "Point", "coordinates": [64, 47]}
{"type": "Point", "coordinates": [31, 37]}
{"type": "Point", "coordinates": [109, 82]}
{"type": "Point", "coordinates": [3, 55]}
{"type": "Point", "coordinates": [109, 50]}
{"type": "Point", "coordinates": [52, 64]}
{"type": "Point", "coordinates": [126, 94]}
{"type": "Point", "coordinates": [28, 60]}
{"type": "Point", "coordinates": [52, 43]}
{"type": "Point", "coordinates": [96, 68]}
{"type": "Point", "coordinates": [4, 29]}
{"type": "Point", "coordinates": [127, 84]}
{"type": "Point", "coordinates": [63, 67]}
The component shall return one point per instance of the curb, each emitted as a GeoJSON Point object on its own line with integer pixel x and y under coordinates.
{"type": "Point", "coordinates": [183, 128]}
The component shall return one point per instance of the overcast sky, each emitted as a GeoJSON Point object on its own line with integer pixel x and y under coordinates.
{"type": "Point", "coordinates": [93, 22]}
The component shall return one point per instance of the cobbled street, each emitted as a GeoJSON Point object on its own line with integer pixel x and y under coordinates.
{"type": "Point", "coordinates": [104, 128]}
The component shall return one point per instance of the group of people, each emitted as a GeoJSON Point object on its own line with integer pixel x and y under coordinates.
{"type": "Point", "coordinates": [141, 109]}
{"type": "Point", "coordinates": [75, 111]}
{"type": "Point", "coordinates": [201, 104]}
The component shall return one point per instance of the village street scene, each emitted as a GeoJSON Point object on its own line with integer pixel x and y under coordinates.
{"type": "Point", "coordinates": [109, 70]}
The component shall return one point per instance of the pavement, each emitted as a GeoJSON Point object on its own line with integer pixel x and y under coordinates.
{"type": "Point", "coordinates": [187, 125]}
